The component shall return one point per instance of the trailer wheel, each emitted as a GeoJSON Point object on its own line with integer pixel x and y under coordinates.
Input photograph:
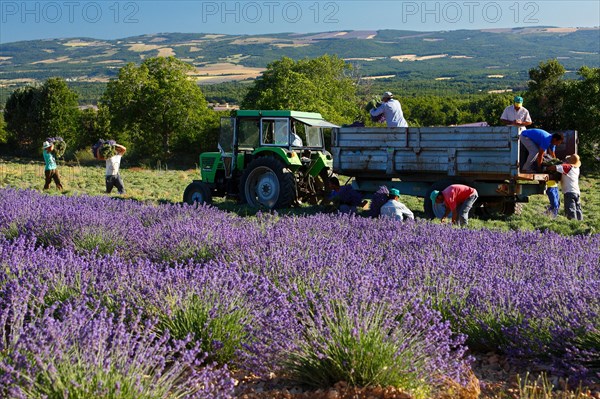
{"type": "Point", "coordinates": [267, 183]}
{"type": "Point", "coordinates": [197, 193]}
{"type": "Point", "coordinates": [512, 208]}
{"type": "Point", "coordinates": [433, 211]}
{"type": "Point", "coordinates": [500, 207]}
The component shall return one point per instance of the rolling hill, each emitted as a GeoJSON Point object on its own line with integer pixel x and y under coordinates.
{"type": "Point", "coordinates": [495, 59]}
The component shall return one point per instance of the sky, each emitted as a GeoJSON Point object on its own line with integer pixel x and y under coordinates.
{"type": "Point", "coordinates": [112, 19]}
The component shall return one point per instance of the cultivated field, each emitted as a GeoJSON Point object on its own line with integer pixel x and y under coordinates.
{"type": "Point", "coordinates": [142, 296]}
{"type": "Point", "coordinates": [160, 184]}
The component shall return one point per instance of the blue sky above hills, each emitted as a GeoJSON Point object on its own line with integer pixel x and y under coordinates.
{"type": "Point", "coordinates": [29, 20]}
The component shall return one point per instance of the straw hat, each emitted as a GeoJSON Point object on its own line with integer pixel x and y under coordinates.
{"type": "Point", "coordinates": [573, 160]}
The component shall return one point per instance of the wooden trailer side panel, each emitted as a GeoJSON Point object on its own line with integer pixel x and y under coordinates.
{"type": "Point", "coordinates": [480, 152]}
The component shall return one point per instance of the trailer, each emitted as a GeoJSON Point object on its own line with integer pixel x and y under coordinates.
{"type": "Point", "coordinates": [418, 160]}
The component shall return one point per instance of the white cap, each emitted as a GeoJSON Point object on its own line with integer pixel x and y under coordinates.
{"type": "Point", "coordinates": [47, 144]}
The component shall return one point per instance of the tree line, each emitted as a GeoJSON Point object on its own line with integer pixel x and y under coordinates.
{"type": "Point", "coordinates": [159, 113]}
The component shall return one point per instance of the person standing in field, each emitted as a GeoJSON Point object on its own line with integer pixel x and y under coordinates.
{"type": "Point", "coordinates": [394, 209]}
{"type": "Point", "coordinates": [516, 114]}
{"type": "Point", "coordinates": [458, 199]}
{"type": "Point", "coordinates": [538, 142]}
{"type": "Point", "coordinates": [569, 182]}
{"type": "Point", "coordinates": [553, 197]}
{"type": "Point", "coordinates": [113, 165]}
{"type": "Point", "coordinates": [50, 170]}
{"type": "Point", "coordinates": [392, 110]}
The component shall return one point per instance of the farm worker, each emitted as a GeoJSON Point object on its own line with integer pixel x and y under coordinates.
{"type": "Point", "coordinates": [570, 185]}
{"type": "Point", "coordinates": [553, 197]}
{"type": "Point", "coordinates": [392, 110]}
{"type": "Point", "coordinates": [295, 139]}
{"type": "Point", "coordinates": [345, 198]}
{"type": "Point", "coordinates": [379, 199]}
{"type": "Point", "coordinates": [538, 142]}
{"type": "Point", "coordinates": [395, 209]}
{"type": "Point", "coordinates": [516, 114]}
{"type": "Point", "coordinates": [50, 170]}
{"type": "Point", "coordinates": [113, 178]}
{"type": "Point", "coordinates": [458, 199]}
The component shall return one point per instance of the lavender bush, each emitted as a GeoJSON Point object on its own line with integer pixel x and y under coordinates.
{"type": "Point", "coordinates": [371, 338]}
{"type": "Point", "coordinates": [80, 351]}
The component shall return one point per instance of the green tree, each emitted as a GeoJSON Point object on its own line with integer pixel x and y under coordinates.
{"type": "Point", "coordinates": [583, 109]}
{"type": "Point", "coordinates": [58, 112]}
{"type": "Point", "coordinates": [155, 105]}
{"type": "Point", "coordinates": [20, 116]}
{"type": "Point", "coordinates": [3, 134]}
{"type": "Point", "coordinates": [489, 108]}
{"type": "Point", "coordinates": [546, 95]}
{"type": "Point", "coordinates": [314, 85]}
{"type": "Point", "coordinates": [93, 124]}
{"type": "Point", "coordinates": [34, 113]}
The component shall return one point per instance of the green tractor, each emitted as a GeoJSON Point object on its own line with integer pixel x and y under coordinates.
{"type": "Point", "coordinates": [267, 159]}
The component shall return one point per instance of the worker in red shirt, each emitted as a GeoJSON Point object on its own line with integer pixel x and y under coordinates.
{"type": "Point", "coordinates": [458, 199]}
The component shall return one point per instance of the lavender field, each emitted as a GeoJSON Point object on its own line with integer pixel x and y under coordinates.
{"type": "Point", "coordinates": [104, 297]}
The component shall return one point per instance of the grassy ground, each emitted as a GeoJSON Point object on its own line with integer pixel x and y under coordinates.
{"type": "Point", "coordinates": [162, 185]}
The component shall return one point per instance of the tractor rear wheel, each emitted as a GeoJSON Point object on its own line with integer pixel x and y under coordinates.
{"type": "Point", "coordinates": [267, 183]}
{"type": "Point", "coordinates": [197, 193]}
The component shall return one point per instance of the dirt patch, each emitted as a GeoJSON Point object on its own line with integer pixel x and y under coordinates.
{"type": "Point", "coordinates": [254, 40]}
{"type": "Point", "coordinates": [493, 377]}
{"type": "Point", "coordinates": [250, 387]}
{"type": "Point", "coordinates": [166, 52]}
{"type": "Point", "coordinates": [283, 45]}
{"type": "Point", "coordinates": [224, 72]}
{"type": "Point", "coordinates": [378, 77]}
{"type": "Point", "coordinates": [414, 57]}
{"type": "Point", "coordinates": [80, 43]}
{"type": "Point", "coordinates": [52, 60]}
{"type": "Point", "coordinates": [140, 47]}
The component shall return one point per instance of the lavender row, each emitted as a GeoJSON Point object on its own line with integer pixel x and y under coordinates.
{"type": "Point", "coordinates": [531, 295]}
{"type": "Point", "coordinates": [235, 318]}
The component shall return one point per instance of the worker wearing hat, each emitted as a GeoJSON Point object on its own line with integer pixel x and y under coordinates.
{"type": "Point", "coordinates": [569, 184]}
{"type": "Point", "coordinates": [395, 209]}
{"type": "Point", "coordinates": [391, 110]}
{"type": "Point", "coordinates": [516, 114]}
{"type": "Point", "coordinates": [458, 199]}
{"type": "Point", "coordinates": [50, 170]}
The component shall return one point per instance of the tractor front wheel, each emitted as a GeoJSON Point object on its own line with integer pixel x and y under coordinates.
{"type": "Point", "coordinates": [197, 193]}
{"type": "Point", "coordinates": [267, 183]}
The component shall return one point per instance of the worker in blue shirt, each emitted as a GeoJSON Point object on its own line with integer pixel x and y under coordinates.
{"type": "Point", "coordinates": [538, 142]}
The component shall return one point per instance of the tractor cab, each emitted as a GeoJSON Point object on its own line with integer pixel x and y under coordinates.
{"type": "Point", "coordinates": [269, 159]}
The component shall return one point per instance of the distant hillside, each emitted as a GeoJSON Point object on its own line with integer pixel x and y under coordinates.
{"type": "Point", "coordinates": [484, 59]}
